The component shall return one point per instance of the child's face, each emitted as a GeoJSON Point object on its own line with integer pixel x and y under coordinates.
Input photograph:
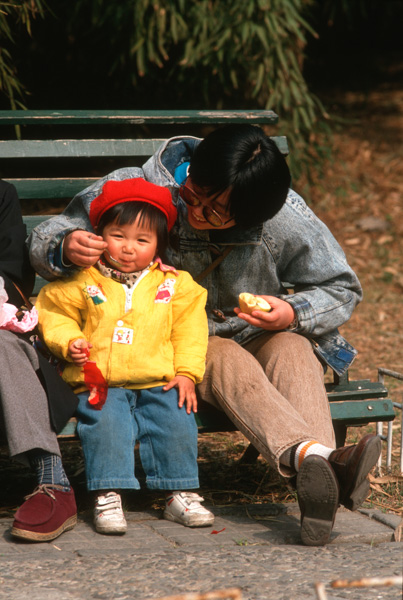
{"type": "Point", "coordinates": [133, 246]}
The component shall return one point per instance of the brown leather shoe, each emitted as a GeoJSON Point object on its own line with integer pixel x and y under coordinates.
{"type": "Point", "coordinates": [352, 465]}
{"type": "Point", "coordinates": [318, 499]}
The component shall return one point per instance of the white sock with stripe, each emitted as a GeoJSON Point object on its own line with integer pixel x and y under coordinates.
{"type": "Point", "coordinates": [294, 456]}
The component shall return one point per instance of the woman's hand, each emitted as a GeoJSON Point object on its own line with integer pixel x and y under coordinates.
{"type": "Point", "coordinates": [78, 351]}
{"type": "Point", "coordinates": [82, 248]}
{"type": "Point", "coordinates": [280, 317]}
{"type": "Point", "coordinates": [186, 390]}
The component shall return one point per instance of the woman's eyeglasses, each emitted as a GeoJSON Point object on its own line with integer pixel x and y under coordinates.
{"type": "Point", "coordinates": [211, 216]}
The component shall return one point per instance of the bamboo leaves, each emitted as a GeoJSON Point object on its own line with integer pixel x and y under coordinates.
{"type": "Point", "coordinates": [242, 53]}
{"type": "Point", "coordinates": [10, 14]}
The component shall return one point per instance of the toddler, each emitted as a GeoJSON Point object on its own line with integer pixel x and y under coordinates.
{"type": "Point", "coordinates": [134, 334]}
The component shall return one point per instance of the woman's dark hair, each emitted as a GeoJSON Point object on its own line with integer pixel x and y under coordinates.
{"type": "Point", "coordinates": [150, 217]}
{"type": "Point", "coordinates": [245, 160]}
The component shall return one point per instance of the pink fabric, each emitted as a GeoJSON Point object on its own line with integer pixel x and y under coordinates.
{"type": "Point", "coordinates": [165, 268]}
{"type": "Point", "coordinates": [9, 320]}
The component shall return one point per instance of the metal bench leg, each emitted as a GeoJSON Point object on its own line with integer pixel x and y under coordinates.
{"type": "Point", "coordinates": [340, 431]}
{"type": "Point", "coordinates": [379, 431]}
{"type": "Point", "coordinates": [249, 456]}
{"type": "Point", "coordinates": [379, 427]}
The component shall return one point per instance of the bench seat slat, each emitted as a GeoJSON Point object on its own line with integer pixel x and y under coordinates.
{"type": "Point", "coordinates": [347, 412]}
{"type": "Point", "coordinates": [353, 412]}
{"type": "Point", "coordinates": [356, 390]}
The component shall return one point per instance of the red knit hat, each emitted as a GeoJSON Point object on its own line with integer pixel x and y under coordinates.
{"type": "Point", "coordinates": [132, 190]}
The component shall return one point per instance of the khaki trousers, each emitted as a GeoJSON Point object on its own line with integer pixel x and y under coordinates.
{"type": "Point", "coordinates": [272, 389]}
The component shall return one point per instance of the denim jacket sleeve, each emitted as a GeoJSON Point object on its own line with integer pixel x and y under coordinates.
{"type": "Point", "coordinates": [44, 241]}
{"type": "Point", "coordinates": [325, 290]}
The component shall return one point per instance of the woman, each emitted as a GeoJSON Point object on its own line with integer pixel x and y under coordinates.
{"type": "Point", "coordinates": [28, 422]}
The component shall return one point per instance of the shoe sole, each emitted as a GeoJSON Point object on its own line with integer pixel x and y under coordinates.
{"type": "Point", "coordinates": [196, 522]}
{"type": "Point", "coordinates": [34, 536]}
{"type": "Point", "coordinates": [359, 490]}
{"type": "Point", "coordinates": [318, 498]}
{"type": "Point", "coordinates": [109, 531]}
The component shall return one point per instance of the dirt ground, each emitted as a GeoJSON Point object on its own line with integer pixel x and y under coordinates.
{"type": "Point", "coordinates": [359, 197]}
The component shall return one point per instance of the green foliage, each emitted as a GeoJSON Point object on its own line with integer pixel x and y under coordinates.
{"type": "Point", "coordinates": [14, 14]}
{"type": "Point", "coordinates": [213, 54]}
{"type": "Point", "coordinates": [256, 47]}
{"type": "Point", "coordinates": [166, 54]}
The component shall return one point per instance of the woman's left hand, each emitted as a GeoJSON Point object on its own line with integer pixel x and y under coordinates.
{"type": "Point", "coordinates": [186, 390]}
{"type": "Point", "coordinates": [280, 317]}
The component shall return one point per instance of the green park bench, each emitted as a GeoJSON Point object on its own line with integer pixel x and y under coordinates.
{"type": "Point", "coordinates": [51, 155]}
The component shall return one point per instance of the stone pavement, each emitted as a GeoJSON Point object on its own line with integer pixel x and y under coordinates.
{"type": "Point", "coordinates": [254, 548]}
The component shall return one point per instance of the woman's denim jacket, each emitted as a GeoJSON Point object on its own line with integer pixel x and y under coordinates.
{"type": "Point", "coordinates": [293, 256]}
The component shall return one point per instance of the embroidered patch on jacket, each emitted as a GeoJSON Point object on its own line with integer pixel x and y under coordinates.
{"type": "Point", "coordinates": [165, 291]}
{"type": "Point", "coordinates": [95, 293]}
{"type": "Point", "coordinates": [123, 335]}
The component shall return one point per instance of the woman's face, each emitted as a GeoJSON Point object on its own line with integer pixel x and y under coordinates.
{"type": "Point", "coordinates": [203, 210]}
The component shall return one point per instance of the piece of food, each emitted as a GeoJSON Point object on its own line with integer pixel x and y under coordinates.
{"type": "Point", "coordinates": [249, 302]}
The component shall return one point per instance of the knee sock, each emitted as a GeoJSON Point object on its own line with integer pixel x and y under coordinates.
{"type": "Point", "coordinates": [49, 469]}
{"type": "Point", "coordinates": [294, 456]}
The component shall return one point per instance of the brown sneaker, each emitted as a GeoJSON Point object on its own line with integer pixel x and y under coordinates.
{"type": "Point", "coordinates": [352, 465]}
{"type": "Point", "coordinates": [45, 514]}
{"type": "Point", "coordinates": [318, 499]}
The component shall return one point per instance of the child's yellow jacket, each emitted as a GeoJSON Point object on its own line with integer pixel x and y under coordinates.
{"type": "Point", "coordinates": [141, 337]}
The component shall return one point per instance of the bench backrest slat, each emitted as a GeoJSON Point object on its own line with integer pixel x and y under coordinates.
{"type": "Point", "coordinates": [56, 188]}
{"type": "Point", "coordinates": [77, 148]}
{"type": "Point", "coordinates": [31, 221]}
{"type": "Point", "coordinates": [140, 117]}
{"type": "Point", "coordinates": [90, 148]}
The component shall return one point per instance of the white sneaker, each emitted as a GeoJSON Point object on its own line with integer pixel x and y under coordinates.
{"type": "Point", "coordinates": [185, 508]}
{"type": "Point", "coordinates": [108, 514]}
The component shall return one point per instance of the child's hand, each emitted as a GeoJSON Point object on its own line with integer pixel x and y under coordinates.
{"type": "Point", "coordinates": [187, 392]}
{"type": "Point", "coordinates": [78, 351]}
{"type": "Point", "coordinates": [280, 317]}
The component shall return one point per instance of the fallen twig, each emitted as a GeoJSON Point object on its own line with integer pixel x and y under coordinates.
{"type": "Point", "coordinates": [320, 591]}
{"type": "Point", "coordinates": [233, 593]}
{"type": "Point", "coordinates": [387, 506]}
{"type": "Point", "coordinates": [367, 582]}
{"type": "Point", "coordinates": [386, 479]}
{"type": "Point", "coordinates": [380, 490]}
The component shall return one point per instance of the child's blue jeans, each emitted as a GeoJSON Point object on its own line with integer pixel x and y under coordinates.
{"type": "Point", "coordinates": [167, 436]}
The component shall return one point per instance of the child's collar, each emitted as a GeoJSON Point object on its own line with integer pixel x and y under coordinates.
{"type": "Point", "coordinates": [125, 278]}
{"type": "Point", "coordinates": [130, 278]}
